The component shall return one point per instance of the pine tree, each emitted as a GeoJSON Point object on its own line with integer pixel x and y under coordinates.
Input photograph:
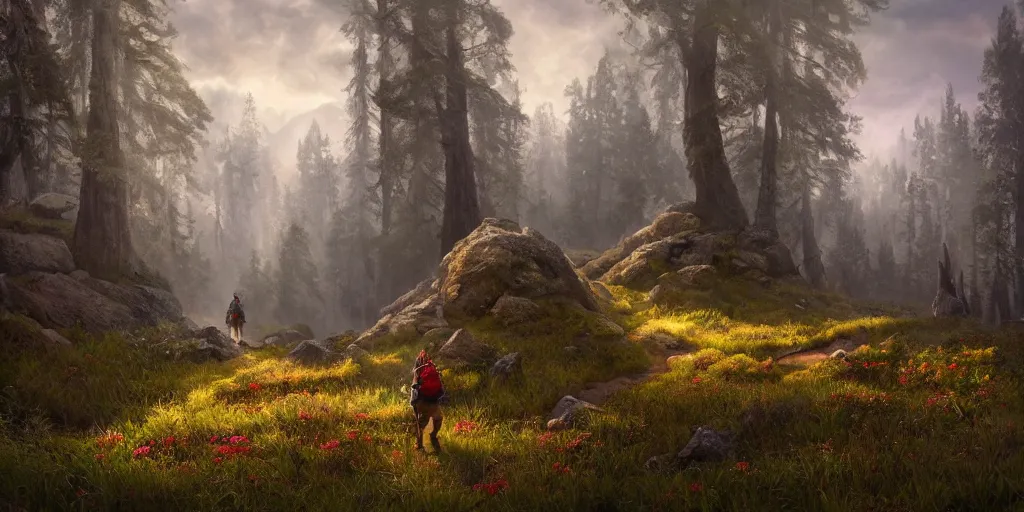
{"type": "Point", "coordinates": [298, 296]}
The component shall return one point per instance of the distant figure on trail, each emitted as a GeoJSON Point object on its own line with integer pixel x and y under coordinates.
{"type": "Point", "coordinates": [235, 319]}
{"type": "Point", "coordinates": [426, 396]}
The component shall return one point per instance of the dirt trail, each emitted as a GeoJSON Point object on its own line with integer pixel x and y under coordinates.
{"type": "Point", "coordinates": [598, 392]}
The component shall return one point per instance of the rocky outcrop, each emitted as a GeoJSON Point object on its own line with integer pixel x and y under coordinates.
{"type": "Point", "coordinates": [672, 284]}
{"type": "Point", "coordinates": [674, 241]}
{"type": "Point", "coordinates": [61, 301]}
{"type": "Point", "coordinates": [23, 253]}
{"type": "Point", "coordinates": [497, 262]}
{"type": "Point", "coordinates": [421, 314]}
{"type": "Point", "coordinates": [665, 225]}
{"type": "Point", "coordinates": [462, 347]}
{"type": "Point", "coordinates": [54, 206]}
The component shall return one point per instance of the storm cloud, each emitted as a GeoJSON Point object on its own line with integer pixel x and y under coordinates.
{"type": "Point", "coordinates": [292, 56]}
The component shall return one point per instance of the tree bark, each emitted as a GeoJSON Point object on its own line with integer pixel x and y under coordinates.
{"type": "Point", "coordinates": [102, 240]}
{"type": "Point", "coordinates": [1018, 218]}
{"type": "Point", "coordinates": [461, 205]}
{"type": "Point", "coordinates": [765, 216]}
{"type": "Point", "coordinates": [718, 201]}
{"type": "Point", "coordinates": [386, 120]}
{"type": "Point", "coordinates": [812, 253]}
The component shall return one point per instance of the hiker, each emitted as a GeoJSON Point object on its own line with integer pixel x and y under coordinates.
{"type": "Point", "coordinates": [235, 319]}
{"type": "Point", "coordinates": [427, 392]}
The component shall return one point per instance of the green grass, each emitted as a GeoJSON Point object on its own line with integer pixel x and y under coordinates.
{"type": "Point", "coordinates": [931, 417]}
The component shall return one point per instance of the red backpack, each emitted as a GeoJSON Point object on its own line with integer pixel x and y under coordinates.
{"type": "Point", "coordinates": [430, 381]}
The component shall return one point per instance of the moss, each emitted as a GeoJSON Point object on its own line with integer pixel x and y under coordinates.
{"type": "Point", "coordinates": [20, 220]}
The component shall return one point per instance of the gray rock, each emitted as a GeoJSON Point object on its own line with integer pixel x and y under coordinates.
{"type": "Point", "coordinates": [79, 275]}
{"type": "Point", "coordinates": [566, 412]}
{"type": "Point", "coordinates": [21, 254]}
{"type": "Point", "coordinates": [313, 352]}
{"type": "Point", "coordinates": [253, 344]}
{"type": "Point", "coordinates": [839, 354]}
{"type": "Point", "coordinates": [355, 352]}
{"type": "Point", "coordinates": [56, 338]}
{"type": "Point", "coordinates": [463, 347]}
{"type": "Point", "coordinates": [53, 206]}
{"type": "Point", "coordinates": [515, 310]}
{"type": "Point", "coordinates": [706, 445]}
{"type": "Point", "coordinates": [415, 319]}
{"type": "Point", "coordinates": [507, 367]}
{"type": "Point", "coordinates": [58, 301]}
{"type": "Point", "coordinates": [213, 345]}
{"type": "Point", "coordinates": [436, 337]}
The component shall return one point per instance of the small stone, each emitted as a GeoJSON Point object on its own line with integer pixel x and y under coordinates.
{"type": "Point", "coordinates": [507, 366]}
{"type": "Point", "coordinates": [463, 347]}
{"type": "Point", "coordinates": [839, 354]}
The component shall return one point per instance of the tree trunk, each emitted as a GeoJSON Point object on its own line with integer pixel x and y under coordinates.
{"type": "Point", "coordinates": [102, 240]}
{"type": "Point", "coordinates": [765, 217]}
{"type": "Point", "coordinates": [1018, 217]}
{"type": "Point", "coordinates": [384, 86]}
{"type": "Point", "coordinates": [461, 206]}
{"type": "Point", "coordinates": [812, 254]}
{"type": "Point", "coordinates": [718, 201]}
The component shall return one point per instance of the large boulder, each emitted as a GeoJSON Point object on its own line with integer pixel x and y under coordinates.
{"type": "Point", "coordinates": [210, 344]}
{"type": "Point", "coordinates": [54, 206]}
{"type": "Point", "coordinates": [501, 258]}
{"type": "Point", "coordinates": [61, 301]}
{"type": "Point", "coordinates": [23, 253]}
{"type": "Point", "coordinates": [507, 367]}
{"type": "Point", "coordinates": [464, 348]}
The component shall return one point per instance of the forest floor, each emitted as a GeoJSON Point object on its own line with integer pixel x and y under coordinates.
{"type": "Point", "coordinates": [928, 416]}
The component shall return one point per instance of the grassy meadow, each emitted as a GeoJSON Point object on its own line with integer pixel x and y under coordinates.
{"type": "Point", "coordinates": [930, 417]}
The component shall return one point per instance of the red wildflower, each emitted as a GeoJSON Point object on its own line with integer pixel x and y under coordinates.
{"type": "Point", "coordinates": [352, 435]}
{"type": "Point", "coordinates": [696, 487]}
{"type": "Point", "coordinates": [152, 442]}
{"type": "Point", "coordinates": [238, 439]}
{"type": "Point", "coordinates": [213, 440]}
{"type": "Point", "coordinates": [492, 488]}
{"type": "Point", "coordinates": [80, 492]}
{"type": "Point", "coordinates": [696, 380]}
{"type": "Point", "coordinates": [142, 451]}
{"type": "Point", "coordinates": [743, 466]}
{"type": "Point", "coordinates": [544, 438]}
{"type": "Point", "coordinates": [396, 455]}
{"type": "Point", "coordinates": [304, 416]}
{"type": "Point", "coordinates": [362, 416]}
{"type": "Point", "coordinates": [110, 439]}
{"type": "Point", "coordinates": [903, 380]}
{"type": "Point", "coordinates": [330, 445]}
{"type": "Point", "coordinates": [576, 442]}
{"type": "Point", "coordinates": [559, 468]}
{"type": "Point", "coordinates": [953, 366]}
{"type": "Point", "coordinates": [169, 440]}
{"type": "Point", "coordinates": [218, 460]}
{"type": "Point", "coordinates": [465, 426]}
{"type": "Point", "coordinates": [100, 456]}
{"type": "Point", "coordinates": [367, 438]}
{"type": "Point", "coordinates": [255, 386]}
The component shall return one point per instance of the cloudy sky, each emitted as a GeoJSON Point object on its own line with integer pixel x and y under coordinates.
{"type": "Point", "coordinates": [291, 55]}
